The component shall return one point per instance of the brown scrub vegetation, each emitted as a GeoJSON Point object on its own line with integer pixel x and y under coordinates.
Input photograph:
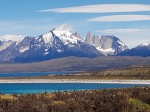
{"type": "Point", "coordinates": [135, 99]}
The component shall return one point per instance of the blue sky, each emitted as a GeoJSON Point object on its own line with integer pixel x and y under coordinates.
{"type": "Point", "coordinates": [127, 19]}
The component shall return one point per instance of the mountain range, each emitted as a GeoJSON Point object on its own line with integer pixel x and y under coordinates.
{"type": "Point", "coordinates": [60, 42]}
{"type": "Point", "coordinates": [141, 50]}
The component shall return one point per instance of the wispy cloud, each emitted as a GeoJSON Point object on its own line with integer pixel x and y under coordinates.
{"type": "Point", "coordinates": [12, 37]}
{"type": "Point", "coordinates": [36, 27]}
{"type": "Point", "coordinates": [117, 18]}
{"type": "Point", "coordinates": [128, 30]}
{"type": "Point", "coordinates": [101, 8]}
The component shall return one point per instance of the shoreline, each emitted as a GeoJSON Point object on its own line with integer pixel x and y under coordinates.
{"type": "Point", "coordinates": [115, 81]}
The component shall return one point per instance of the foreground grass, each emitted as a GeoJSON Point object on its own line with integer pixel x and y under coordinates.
{"type": "Point", "coordinates": [138, 105]}
{"type": "Point", "coordinates": [7, 97]}
{"type": "Point", "coordinates": [108, 100]}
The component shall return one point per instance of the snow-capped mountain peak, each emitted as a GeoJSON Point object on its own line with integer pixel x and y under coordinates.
{"type": "Point", "coordinates": [16, 38]}
{"type": "Point", "coordinates": [63, 32]}
{"type": "Point", "coordinates": [60, 33]}
{"type": "Point", "coordinates": [63, 27]}
{"type": "Point", "coordinates": [141, 50]}
{"type": "Point", "coordinates": [47, 38]}
{"type": "Point", "coordinates": [4, 44]}
{"type": "Point", "coordinates": [145, 44]}
{"type": "Point", "coordinates": [59, 42]}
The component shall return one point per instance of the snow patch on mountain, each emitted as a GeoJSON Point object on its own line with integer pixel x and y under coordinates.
{"type": "Point", "coordinates": [11, 37]}
{"type": "Point", "coordinates": [5, 44]}
{"type": "Point", "coordinates": [46, 52]}
{"type": "Point", "coordinates": [141, 50]}
{"type": "Point", "coordinates": [145, 44]}
{"type": "Point", "coordinates": [47, 38]}
{"type": "Point", "coordinates": [65, 35]}
{"type": "Point", "coordinates": [121, 43]}
{"type": "Point", "coordinates": [110, 50]}
{"type": "Point", "coordinates": [23, 49]}
{"type": "Point", "coordinates": [63, 27]}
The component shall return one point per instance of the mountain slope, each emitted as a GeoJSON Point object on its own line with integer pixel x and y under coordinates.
{"type": "Point", "coordinates": [4, 44]}
{"type": "Point", "coordinates": [7, 53]}
{"type": "Point", "coordinates": [14, 49]}
{"type": "Point", "coordinates": [57, 43]}
{"type": "Point", "coordinates": [140, 50]}
{"type": "Point", "coordinates": [60, 42]}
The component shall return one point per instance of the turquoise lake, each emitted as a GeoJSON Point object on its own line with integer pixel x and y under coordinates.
{"type": "Point", "coordinates": [25, 88]}
{"type": "Point", "coordinates": [52, 87]}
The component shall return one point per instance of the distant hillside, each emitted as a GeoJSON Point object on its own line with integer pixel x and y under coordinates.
{"type": "Point", "coordinates": [76, 64]}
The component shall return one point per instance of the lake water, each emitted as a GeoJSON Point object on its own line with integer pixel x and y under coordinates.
{"type": "Point", "coordinates": [52, 87]}
{"type": "Point", "coordinates": [32, 74]}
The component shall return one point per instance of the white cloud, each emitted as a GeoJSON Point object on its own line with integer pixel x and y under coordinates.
{"type": "Point", "coordinates": [12, 37]}
{"type": "Point", "coordinates": [128, 30]}
{"type": "Point", "coordinates": [101, 8]}
{"type": "Point", "coordinates": [64, 27]}
{"type": "Point", "coordinates": [117, 18]}
{"type": "Point", "coordinates": [27, 28]}
{"type": "Point", "coordinates": [134, 39]}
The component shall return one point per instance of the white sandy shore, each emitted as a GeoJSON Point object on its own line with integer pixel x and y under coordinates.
{"type": "Point", "coordinates": [73, 81]}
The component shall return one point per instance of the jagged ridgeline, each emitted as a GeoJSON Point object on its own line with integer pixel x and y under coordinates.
{"type": "Point", "coordinates": [106, 44]}
{"type": "Point", "coordinates": [60, 42]}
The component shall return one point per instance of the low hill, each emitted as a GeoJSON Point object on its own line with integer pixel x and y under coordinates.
{"type": "Point", "coordinates": [76, 64]}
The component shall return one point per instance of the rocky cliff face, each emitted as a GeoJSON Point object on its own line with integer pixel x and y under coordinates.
{"type": "Point", "coordinates": [96, 40]}
{"type": "Point", "coordinates": [76, 34]}
{"type": "Point", "coordinates": [89, 38]}
{"type": "Point", "coordinates": [106, 44]}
